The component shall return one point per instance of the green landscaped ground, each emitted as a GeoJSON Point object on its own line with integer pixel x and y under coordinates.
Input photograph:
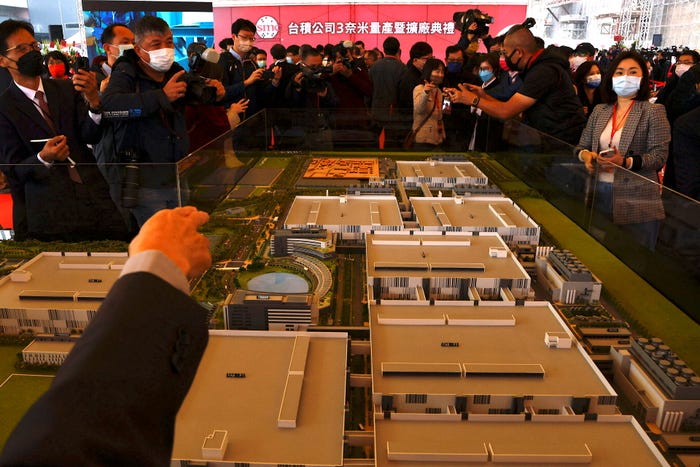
{"type": "Point", "coordinates": [640, 302]}
{"type": "Point", "coordinates": [18, 393]}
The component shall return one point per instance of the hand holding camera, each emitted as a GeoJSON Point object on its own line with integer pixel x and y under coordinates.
{"type": "Point", "coordinates": [85, 81]}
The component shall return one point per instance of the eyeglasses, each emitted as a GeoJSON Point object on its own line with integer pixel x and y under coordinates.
{"type": "Point", "coordinates": [246, 38]}
{"type": "Point", "coordinates": [24, 48]}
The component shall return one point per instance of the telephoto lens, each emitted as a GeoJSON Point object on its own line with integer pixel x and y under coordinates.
{"type": "Point", "coordinates": [130, 182]}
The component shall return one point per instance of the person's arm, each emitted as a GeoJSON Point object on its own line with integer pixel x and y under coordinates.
{"type": "Point", "coordinates": [658, 138]}
{"type": "Point", "coordinates": [116, 397]}
{"type": "Point", "coordinates": [477, 97]}
{"type": "Point", "coordinates": [121, 95]}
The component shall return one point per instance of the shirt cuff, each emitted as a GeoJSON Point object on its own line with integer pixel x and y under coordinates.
{"type": "Point", "coordinates": [47, 164]}
{"type": "Point", "coordinates": [157, 263]}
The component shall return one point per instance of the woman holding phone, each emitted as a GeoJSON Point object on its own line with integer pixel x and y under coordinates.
{"type": "Point", "coordinates": [427, 106]}
{"type": "Point", "coordinates": [627, 131]}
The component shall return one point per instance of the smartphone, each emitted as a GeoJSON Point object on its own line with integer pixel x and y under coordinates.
{"type": "Point", "coordinates": [607, 153]}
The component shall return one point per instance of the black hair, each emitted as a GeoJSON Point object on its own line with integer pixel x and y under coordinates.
{"type": "Point", "coordinates": [431, 65]}
{"type": "Point", "coordinates": [293, 49]}
{"type": "Point", "coordinates": [150, 25]}
{"type": "Point", "coordinates": [420, 49]}
{"type": "Point", "coordinates": [8, 28]}
{"type": "Point", "coordinates": [391, 46]}
{"type": "Point", "coordinates": [108, 34]}
{"type": "Point", "coordinates": [57, 55]}
{"type": "Point", "coordinates": [242, 25]}
{"type": "Point", "coordinates": [606, 89]}
{"type": "Point", "coordinates": [692, 53]}
{"type": "Point", "coordinates": [310, 52]}
{"type": "Point", "coordinates": [579, 76]}
{"type": "Point", "coordinates": [225, 43]}
{"type": "Point", "coordinates": [492, 58]}
{"type": "Point", "coordinates": [450, 49]}
{"type": "Point", "coordinates": [278, 52]}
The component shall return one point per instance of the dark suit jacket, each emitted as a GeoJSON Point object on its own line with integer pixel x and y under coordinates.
{"type": "Point", "coordinates": [115, 398]}
{"type": "Point", "coordinates": [645, 137]}
{"type": "Point", "coordinates": [48, 205]}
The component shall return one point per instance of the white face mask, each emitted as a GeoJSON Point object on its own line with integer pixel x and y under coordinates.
{"type": "Point", "coordinates": [262, 63]}
{"type": "Point", "coordinates": [626, 86]}
{"type": "Point", "coordinates": [161, 59]}
{"type": "Point", "coordinates": [245, 46]}
{"type": "Point", "coordinates": [681, 68]}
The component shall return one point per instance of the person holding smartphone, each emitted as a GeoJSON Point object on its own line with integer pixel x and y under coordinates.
{"type": "Point", "coordinates": [428, 100]}
{"type": "Point", "coordinates": [627, 131]}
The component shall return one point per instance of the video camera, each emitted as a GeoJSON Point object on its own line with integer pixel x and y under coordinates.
{"type": "Point", "coordinates": [204, 64]}
{"type": "Point", "coordinates": [464, 19]}
{"type": "Point", "coordinates": [314, 79]}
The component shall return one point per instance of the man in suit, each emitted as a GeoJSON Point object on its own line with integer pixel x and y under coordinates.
{"type": "Point", "coordinates": [115, 398]}
{"type": "Point", "coordinates": [45, 126]}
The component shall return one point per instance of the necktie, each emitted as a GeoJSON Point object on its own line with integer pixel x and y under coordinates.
{"type": "Point", "coordinates": [44, 110]}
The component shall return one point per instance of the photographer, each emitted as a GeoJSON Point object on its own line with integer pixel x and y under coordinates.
{"type": "Point", "coordinates": [473, 25]}
{"type": "Point", "coordinates": [353, 89]}
{"type": "Point", "coordinates": [310, 90]}
{"type": "Point", "coordinates": [144, 100]}
{"type": "Point", "coordinates": [547, 98]}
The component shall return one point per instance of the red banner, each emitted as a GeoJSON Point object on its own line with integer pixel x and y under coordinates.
{"type": "Point", "coordinates": [323, 24]}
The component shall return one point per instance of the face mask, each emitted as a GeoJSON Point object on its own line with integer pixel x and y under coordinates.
{"type": "Point", "coordinates": [30, 64]}
{"type": "Point", "coordinates": [502, 63]}
{"type": "Point", "coordinates": [454, 67]}
{"type": "Point", "coordinates": [161, 59]}
{"type": "Point", "coordinates": [107, 69]}
{"type": "Point", "coordinates": [245, 46]}
{"type": "Point", "coordinates": [593, 81]}
{"type": "Point", "coordinates": [290, 60]}
{"type": "Point", "coordinates": [576, 62]}
{"type": "Point", "coordinates": [262, 63]}
{"type": "Point", "coordinates": [681, 68]}
{"type": "Point", "coordinates": [485, 75]}
{"type": "Point", "coordinates": [57, 70]}
{"type": "Point", "coordinates": [124, 47]}
{"type": "Point", "coordinates": [626, 86]}
{"type": "Point", "coordinates": [509, 62]}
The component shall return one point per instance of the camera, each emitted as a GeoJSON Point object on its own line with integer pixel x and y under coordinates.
{"type": "Point", "coordinates": [81, 63]}
{"type": "Point", "coordinates": [313, 78]}
{"type": "Point", "coordinates": [464, 19]}
{"type": "Point", "coordinates": [131, 180]}
{"type": "Point", "coordinates": [268, 74]}
{"type": "Point", "coordinates": [203, 64]}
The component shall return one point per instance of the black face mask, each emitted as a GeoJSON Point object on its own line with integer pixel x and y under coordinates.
{"type": "Point", "coordinates": [30, 64]}
{"type": "Point", "coordinates": [509, 62]}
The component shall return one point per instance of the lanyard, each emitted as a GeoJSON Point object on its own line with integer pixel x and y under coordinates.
{"type": "Point", "coordinates": [615, 125]}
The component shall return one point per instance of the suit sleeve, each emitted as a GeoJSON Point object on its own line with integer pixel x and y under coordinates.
{"type": "Point", "coordinates": [586, 140]}
{"type": "Point", "coordinates": [115, 399]}
{"type": "Point", "coordinates": [658, 139]}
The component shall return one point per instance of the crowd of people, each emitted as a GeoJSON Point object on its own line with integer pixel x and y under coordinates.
{"type": "Point", "coordinates": [137, 111]}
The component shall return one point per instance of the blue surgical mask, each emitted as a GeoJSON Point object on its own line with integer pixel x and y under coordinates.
{"type": "Point", "coordinates": [626, 86]}
{"type": "Point", "coordinates": [261, 63]}
{"type": "Point", "coordinates": [290, 60]}
{"type": "Point", "coordinates": [485, 75]}
{"type": "Point", "coordinates": [454, 67]}
{"type": "Point", "coordinates": [593, 81]}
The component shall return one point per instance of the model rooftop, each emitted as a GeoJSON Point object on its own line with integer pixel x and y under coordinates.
{"type": "Point", "coordinates": [431, 254]}
{"type": "Point", "coordinates": [463, 172]}
{"type": "Point", "coordinates": [280, 397]}
{"type": "Point", "coordinates": [472, 212]}
{"type": "Point", "coordinates": [507, 343]}
{"type": "Point", "coordinates": [619, 441]}
{"type": "Point", "coordinates": [61, 281]}
{"type": "Point", "coordinates": [327, 211]}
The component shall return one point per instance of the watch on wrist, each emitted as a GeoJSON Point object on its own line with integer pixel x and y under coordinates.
{"type": "Point", "coordinates": [476, 100]}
